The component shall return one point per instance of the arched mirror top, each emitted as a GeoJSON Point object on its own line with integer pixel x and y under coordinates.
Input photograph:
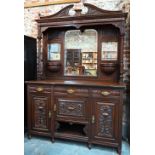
{"type": "Point", "coordinates": [81, 50]}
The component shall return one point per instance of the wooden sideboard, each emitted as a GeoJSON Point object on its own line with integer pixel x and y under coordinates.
{"type": "Point", "coordinates": [85, 111]}
{"type": "Point", "coordinates": [78, 94]}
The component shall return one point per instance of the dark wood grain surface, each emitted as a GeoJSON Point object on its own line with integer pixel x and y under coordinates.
{"type": "Point", "coordinates": [78, 83]}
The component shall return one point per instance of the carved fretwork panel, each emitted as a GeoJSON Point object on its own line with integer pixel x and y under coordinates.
{"type": "Point", "coordinates": [71, 107]}
{"type": "Point", "coordinates": [40, 112]}
{"type": "Point", "coordinates": [105, 122]}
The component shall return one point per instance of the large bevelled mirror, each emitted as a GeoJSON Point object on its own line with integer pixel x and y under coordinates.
{"type": "Point", "coordinates": [80, 53]}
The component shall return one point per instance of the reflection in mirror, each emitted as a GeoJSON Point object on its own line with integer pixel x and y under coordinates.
{"type": "Point", "coordinates": [109, 50]}
{"type": "Point", "coordinates": [54, 51]}
{"type": "Point", "coordinates": [80, 53]}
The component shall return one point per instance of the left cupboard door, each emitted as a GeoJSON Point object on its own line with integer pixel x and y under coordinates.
{"type": "Point", "coordinates": [39, 113]}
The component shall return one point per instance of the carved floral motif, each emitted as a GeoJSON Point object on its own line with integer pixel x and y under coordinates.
{"type": "Point", "coordinates": [40, 111]}
{"type": "Point", "coordinates": [105, 121]}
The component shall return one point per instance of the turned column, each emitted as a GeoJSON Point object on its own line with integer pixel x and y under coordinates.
{"type": "Point", "coordinates": [39, 55]}
{"type": "Point", "coordinates": [121, 57]}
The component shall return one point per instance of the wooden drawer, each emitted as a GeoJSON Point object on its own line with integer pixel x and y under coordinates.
{"type": "Point", "coordinates": [72, 108]}
{"type": "Point", "coordinates": [39, 89]}
{"type": "Point", "coordinates": [100, 93]}
{"type": "Point", "coordinates": [71, 91]}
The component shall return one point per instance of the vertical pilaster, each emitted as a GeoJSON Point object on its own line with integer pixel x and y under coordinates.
{"type": "Point", "coordinates": [39, 54]}
{"type": "Point", "coordinates": [121, 56]}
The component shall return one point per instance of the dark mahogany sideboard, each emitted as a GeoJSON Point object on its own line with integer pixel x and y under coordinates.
{"type": "Point", "coordinates": [78, 110]}
{"type": "Point", "coordinates": [78, 94]}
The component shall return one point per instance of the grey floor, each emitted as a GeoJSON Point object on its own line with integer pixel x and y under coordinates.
{"type": "Point", "coordinates": [43, 146]}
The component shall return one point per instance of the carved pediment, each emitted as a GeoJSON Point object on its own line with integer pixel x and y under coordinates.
{"type": "Point", "coordinates": [93, 10]}
{"type": "Point", "coordinates": [62, 13]}
{"type": "Point", "coordinates": [85, 11]}
{"type": "Point", "coordinates": [84, 15]}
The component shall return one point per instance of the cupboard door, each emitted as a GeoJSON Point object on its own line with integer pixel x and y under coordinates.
{"type": "Point", "coordinates": [105, 120]}
{"type": "Point", "coordinates": [39, 112]}
{"type": "Point", "coordinates": [73, 109]}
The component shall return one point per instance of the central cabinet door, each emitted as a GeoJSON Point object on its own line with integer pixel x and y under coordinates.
{"type": "Point", "coordinates": [105, 120]}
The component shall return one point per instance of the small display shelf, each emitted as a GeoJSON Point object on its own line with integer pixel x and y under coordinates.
{"type": "Point", "coordinates": [108, 67]}
{"type": "Point", "coordinates": [66, 128]}
{"type": "Point", "coordinates": [54, 66]}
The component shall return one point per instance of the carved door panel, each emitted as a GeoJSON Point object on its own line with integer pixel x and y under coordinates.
{"type": "Point", "coordinates": [105, 120]}
{"type": "Point", "coordinates": [40, 114]}
{"type": "Point", "coordinates": [72, 109]}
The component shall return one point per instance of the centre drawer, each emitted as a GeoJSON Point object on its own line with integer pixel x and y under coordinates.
{"type": "Point", "coordinates": [71, 91]}
{"type": "Point", "coordinates": [72, 108]}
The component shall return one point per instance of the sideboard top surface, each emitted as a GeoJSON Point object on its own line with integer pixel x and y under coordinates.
{"type": "Point", "coordinates": [78, 83]}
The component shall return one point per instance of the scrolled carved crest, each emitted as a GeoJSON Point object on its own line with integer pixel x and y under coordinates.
{"type": "Point", "coordinates": [85, 10]}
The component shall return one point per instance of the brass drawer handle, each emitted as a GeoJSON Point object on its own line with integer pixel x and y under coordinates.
{"type": "Point", "coordinates": [70, 91]}
{"type": "Point", "coordinates": [71, 108]}
{"type": "Point", "coordinates": [105, 93]}
{"type": "Point", "coordinates": [93, 119]}
{"type": "Point", "coordinates": [55, 108]}
{"type": "Point", "coordinates": [49, 114]}
{"type": "Point", "coordinates": [40, 89]}
{"type": "Point", "coordinates": [105, 114]}
{"type": "Point", "coordinates": [40, 108]}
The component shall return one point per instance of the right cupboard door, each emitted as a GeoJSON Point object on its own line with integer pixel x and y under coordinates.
{"type": "Point", "coordinates": [105, 121]}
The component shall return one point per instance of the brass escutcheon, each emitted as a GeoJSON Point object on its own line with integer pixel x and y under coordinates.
{"type": "Point", "coordinates": [105, 93]}
{"type": "Point", "coordinates": [40, 89]}
{"type": "Point", "coordinates": [49, 114]}
{"type": "Point", "coordinates": [93, 119]}
{"type": "Point", "coordinates": [71, 108]}
{"type": "Point", "coordinates": [70, 91]}
{"type": "Point", "coordinates": [105, 114]}
{"type": "Point", "coordinates": [55, 108]}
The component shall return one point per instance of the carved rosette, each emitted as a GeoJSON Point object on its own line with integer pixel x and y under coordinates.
{"type": "Point", "coordinates": [105, 121]}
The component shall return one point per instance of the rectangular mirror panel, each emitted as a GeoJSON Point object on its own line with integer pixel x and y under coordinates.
{"type": "Point", "coordinates": [80, 53]}
{"type": "Point", "coordinates": [54, 50]}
